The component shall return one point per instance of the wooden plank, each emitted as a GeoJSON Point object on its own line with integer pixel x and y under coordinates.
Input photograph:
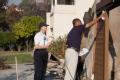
{"type": "Point", "coordinates": [106, 47]}
{"type": "Point", "coordinates": [101, 56]}
{"type": "Point", "coordinates": [99, 62]}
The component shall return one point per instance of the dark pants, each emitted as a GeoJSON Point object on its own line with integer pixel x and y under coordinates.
{"type": "Point", "coordinates": [79, 68]}
{"type": "Point", "coordinates": [40, 63]}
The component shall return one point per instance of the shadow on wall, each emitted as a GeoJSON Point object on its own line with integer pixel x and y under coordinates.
{"type": "Point", "coordinates": [113, 55]}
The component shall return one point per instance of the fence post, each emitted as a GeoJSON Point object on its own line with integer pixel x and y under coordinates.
{"type": "Point", "coordinates": [16, 64]}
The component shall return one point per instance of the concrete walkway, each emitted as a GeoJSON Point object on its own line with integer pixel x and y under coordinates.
{"type": "Point", "coordinates": [26, 72]}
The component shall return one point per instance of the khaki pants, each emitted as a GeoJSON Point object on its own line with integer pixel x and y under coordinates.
{"type": "Point", "coordinates": [71, 61]}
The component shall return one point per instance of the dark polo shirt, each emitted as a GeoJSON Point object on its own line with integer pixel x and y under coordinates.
{"type": "Point", "coordinates": [75, 36]}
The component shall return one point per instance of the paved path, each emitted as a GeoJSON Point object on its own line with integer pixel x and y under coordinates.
{"type": "Point", "coordinates": [26, 72]}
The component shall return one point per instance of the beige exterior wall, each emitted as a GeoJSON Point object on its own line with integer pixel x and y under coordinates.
{"type": "Point", "coordinates": [115, 31]}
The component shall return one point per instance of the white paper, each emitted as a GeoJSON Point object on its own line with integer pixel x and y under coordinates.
{"type": "Point", "coordinates": [83, 51]}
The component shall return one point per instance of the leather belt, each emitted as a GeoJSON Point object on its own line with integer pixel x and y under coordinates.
{"type": "Point", "coordinates": [41, 49]}
{"type": "Point", "coordinates": [74, 49]}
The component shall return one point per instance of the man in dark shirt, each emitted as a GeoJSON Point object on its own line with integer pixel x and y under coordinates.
{"type": "Point", "coordinates": [73, 46]}
{"type": "Point", "coordinates": [75, 36]}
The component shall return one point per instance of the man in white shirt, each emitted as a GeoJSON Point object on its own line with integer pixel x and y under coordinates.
{"type": "Point", "coordinates": [40, 53]}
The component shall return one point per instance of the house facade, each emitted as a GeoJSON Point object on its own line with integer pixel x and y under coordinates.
{"type": "Point", "coordinates": [61, 16]}
{"type": "Point", "coordinates": [103, 61]}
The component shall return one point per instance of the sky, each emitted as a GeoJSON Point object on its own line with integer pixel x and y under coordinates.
{"type": "Point", "coordinates": [14, 1]}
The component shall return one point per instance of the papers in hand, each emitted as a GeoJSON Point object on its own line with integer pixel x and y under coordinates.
{"type": "Point", "coordinates": [83, 51]}
{"type": "Point", "coordinates": [103, 18]}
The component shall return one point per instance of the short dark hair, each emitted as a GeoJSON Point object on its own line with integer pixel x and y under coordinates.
{"type": "Point", "coordinates": [42, 24]}
{"type": "Point", "coordinates": [75, 20]}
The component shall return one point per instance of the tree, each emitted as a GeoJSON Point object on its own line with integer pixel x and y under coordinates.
{"type": "Point", "coordinates": [33, 7]}
{"type": "Point", "coordinates": [2, 4]}
{"type": "Point", "coordinates": [12, 15]}
{"type": "Point", "coordinates": [2, 13]}
{"type": "Point", "coordinates": [29, 7]}
{"type": "Point", "coordinates": [7, 39]}
{"type": "Point", "coordinates": [26, 27]}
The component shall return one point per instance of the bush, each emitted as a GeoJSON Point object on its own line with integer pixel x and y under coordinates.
{"type": "Point", "coordinates": [58, 47]}
{"type": "Point", "coordinates": [3, 65]}
{"type": "Point", "coordinates": [7, 37]}
{"type": "Point", "coordinates": [25, 28]}
{"type": "Point", "coordinates": [22, 57]}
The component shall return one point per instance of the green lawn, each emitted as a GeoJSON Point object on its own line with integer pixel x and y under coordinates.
{"type": "Point", "coordinates": [22, 57]}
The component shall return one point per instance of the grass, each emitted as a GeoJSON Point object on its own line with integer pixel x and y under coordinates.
{"type": "Point", "coordinates": [22, 57]}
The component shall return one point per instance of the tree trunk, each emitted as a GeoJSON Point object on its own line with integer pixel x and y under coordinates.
{"type": "Point", "coordinates": [19, 48]}
{"type": "Point", "coordinates": [27, 45]}
{"type": "Point", "coordinates": [10, 47]}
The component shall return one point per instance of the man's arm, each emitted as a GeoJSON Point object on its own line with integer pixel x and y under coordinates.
{"type": "Point", "coordinates": [90, 24]}
{"type": "Point", "coordinates": [42, 46]}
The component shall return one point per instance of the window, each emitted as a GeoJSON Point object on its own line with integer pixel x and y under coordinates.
{"type": "Point", "coordinates": [65, 2]}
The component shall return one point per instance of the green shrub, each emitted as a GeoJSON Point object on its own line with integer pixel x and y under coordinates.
{"type": "Point", "coordinates": [9, 58]}
{"type": "Point", "coordinates": [58, 47]}
{"type": "Point", "coordinates": [7, 38]}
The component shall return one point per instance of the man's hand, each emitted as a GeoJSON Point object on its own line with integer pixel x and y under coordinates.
{"type": "Point", "coordinates": [42, 46]}
{"type": "Point", "coordinates": [36, 47]}
{"type": "Point", "coordinates": [102, 16]}
{"type": "Point", "coordinates": [48, 44]}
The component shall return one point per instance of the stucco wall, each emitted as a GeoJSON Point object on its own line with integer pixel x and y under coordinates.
{"type": "Point", "coordinates": [115, 31]}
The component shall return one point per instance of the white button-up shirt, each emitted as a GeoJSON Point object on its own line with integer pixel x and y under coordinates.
{"type": "Point", "coordinates": [41, 39]}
